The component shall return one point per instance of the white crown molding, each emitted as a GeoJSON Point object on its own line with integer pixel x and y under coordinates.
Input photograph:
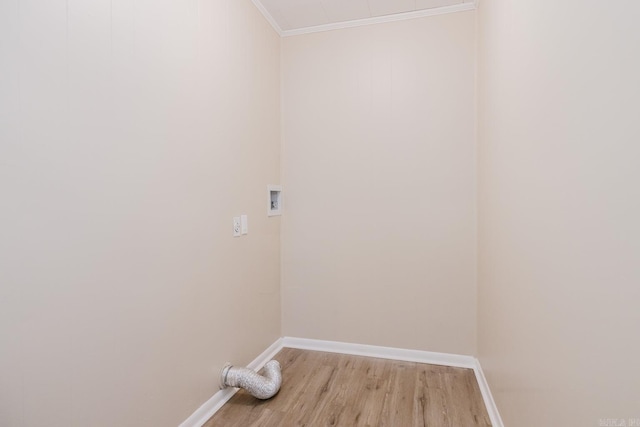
{"type": "Point", "coordinates": [206, 411]}
{"type": "Point", "coordinates": [381, 19]}
{"type": "Point", "coordinates": [211, 406]}
{"type": "Point", "coordinates": [368, 21]}
{"type": "Point", "coordinates": [268, 16]}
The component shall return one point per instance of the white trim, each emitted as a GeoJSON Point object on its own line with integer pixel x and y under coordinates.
{"type": "Point", "coordinates": [206, 411]}
{"type": "Point", "coordinates": [489, 403]}
{"type": "Point", "coordinates": [259, 362]}
{"type": "Point", "coordinates": [391, 353]}
{"type": "Point", "coordinates": [380, 19]}
{"type": "Point", "coordinates": [367, 21]}
{"type": "Point", "coordinates": [211, 406]}
{"type": "Point", "coordinates": [268, 16]}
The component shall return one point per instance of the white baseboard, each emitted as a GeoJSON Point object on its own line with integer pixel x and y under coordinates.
{"type": "Point", "coordinates": [211, 406]}
{"type": "Point", "coordinates": [390, 353]}
{"type": "Point", "coordinates": [206, 411]}
{"type": "Point", "coordinates": [489, 403]}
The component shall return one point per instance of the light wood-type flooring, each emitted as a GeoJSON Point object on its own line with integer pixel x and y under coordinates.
{"type": "Point", "coordinates": [326, 389]}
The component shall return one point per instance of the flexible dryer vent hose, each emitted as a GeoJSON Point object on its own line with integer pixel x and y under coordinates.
{"type": "Point", "coordinates": [261, 387]}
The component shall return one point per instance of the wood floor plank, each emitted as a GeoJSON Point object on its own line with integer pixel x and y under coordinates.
{"type": "Point", "coordinates": [326, 389]}
{"type": "Point", "coordinates": [398, 404]}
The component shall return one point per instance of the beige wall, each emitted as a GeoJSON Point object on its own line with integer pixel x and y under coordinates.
{"type": "Point", "coordinates": [378, 240]}
{"type": "Point", "coordinates": [130, 135]}
{"type": "Point", "coordinates": [559, 210]}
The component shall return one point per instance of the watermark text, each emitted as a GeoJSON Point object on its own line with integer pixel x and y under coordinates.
{"type": "Point", "coordinates": [619, 422]}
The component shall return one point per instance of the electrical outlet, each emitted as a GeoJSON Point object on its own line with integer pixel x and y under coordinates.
{"type": "Point", "coordinates": [237, 226]}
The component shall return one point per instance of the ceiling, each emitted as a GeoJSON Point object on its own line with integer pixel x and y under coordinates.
{"type": "Point", "coordinates": [302, 16]}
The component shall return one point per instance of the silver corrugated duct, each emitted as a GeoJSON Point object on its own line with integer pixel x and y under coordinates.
{"type": "Point", "coordinates": [261, 387]}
